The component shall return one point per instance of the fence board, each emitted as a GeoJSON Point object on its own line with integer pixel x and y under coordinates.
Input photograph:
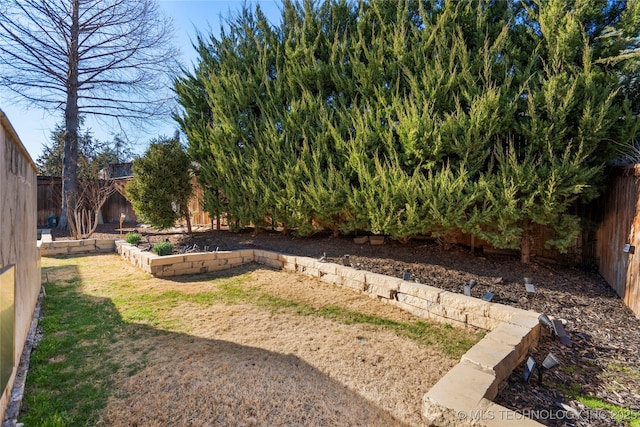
{"type": "Point", "coordinates": [621, 226]}
{"type": "Point", "coordinates": [49, 201]}
{"type": "Point", "coordinates": [49, 198]}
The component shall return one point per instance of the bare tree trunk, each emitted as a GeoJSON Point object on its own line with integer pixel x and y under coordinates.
{"type": "Point", "coordinates": [188, 218]}
{"type": "Point", "coordinates": [70, 159]}
{"type": "Point", "coordinates": [525, 247]}
{"type": "Point", "coordinates": [447, 241]}
{"type": "Point", "coordinates": [72, 221]}
{"type": "Point", "coordinates": [94, 225]}
{"type": "Point", "coordinates": [85, 223]}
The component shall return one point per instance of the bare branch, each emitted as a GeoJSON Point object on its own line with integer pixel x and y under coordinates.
{"type": "Point", "coordinates": [110, 58]}
{"type": "Point", "coordinates": [125, 43]}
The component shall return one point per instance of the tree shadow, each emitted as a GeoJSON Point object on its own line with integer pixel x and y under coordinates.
{"type": "Point", "coordinates": [186, 380]}
{"type": "Point", "coordinates": [162, 377]}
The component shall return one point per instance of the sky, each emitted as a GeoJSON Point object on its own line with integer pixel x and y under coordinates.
{"type": "Point", "coordinates": [34, 125]}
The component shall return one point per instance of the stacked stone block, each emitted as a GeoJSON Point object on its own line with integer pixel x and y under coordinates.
{"type": "Point", "coordinates": [464, 395]}
{"type": "Point", "coordinates": [72, 247]}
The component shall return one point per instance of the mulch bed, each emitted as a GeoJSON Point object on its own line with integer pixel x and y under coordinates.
{"type": "Point", "coordinates": [603, 360]}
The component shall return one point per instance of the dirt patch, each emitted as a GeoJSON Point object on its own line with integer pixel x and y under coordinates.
{"type": "Point", "coordinates": [218, 382]}
{"type": "Point", "coordinates": [58, 359]}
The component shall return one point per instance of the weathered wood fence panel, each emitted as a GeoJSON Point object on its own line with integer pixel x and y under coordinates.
{"type": "Point", "coordinates": [620, 226]}
{"type": "Point", "coordinates": [49, 201]}
{"type": "Point", "coordinates": [49, 198]}
{"type": "Point", "coordinates": [19, 254]}
{"type": "Point", "coordinates": [198, 215]}
{"type": "Point", "coordinates": [115, 205]}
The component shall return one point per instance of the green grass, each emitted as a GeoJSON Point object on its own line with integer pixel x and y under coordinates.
{"type": "Point", "coordinates": [152, 308]}
{"type": "Point", "coordinates": [149, 308]}
{"type": "Point", "coordinates": [74, 367]}
{"type": "Point", "coordinates": [453, 342]}
{"type": "Point", "coordinates": [623, 415]}
{"type": "Point", "coordinates": [626, 416]}
{"type": "Point", "coordinates": [71, 368]}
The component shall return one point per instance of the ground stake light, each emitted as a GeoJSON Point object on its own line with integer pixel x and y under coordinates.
{"type": "Point", "coordinates": [529, 367]}
{"type": "Point", "coordinates": [488, 296]}
{"type": "Point", "coordinates": [544, 319]}
{"type": "Point", "coordinates": [528, 285]}
{"type": "Point", "coordinates": [562, 335]}
{"type": "Point", "coordinates": [467, 288]}
{"type": "Point", "coordinates": [557, 329]}
{"type": "Point", "coordinates": [549, 363]}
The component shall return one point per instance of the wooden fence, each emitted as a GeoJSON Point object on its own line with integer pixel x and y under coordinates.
{"type": "Point", "coordinates": [618, 238]}
{"type": "Point", "coordinates": [49, 201]}
{"type": "Point", "coordinates": [49, 198]}
{"type": "Point", "coordinates": [198, 214]}
{"type": "Point", "coordinates": [19, 255]}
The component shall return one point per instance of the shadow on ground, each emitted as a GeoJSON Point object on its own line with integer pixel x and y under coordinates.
{"type": "Point", "coordinates": [139, 375]}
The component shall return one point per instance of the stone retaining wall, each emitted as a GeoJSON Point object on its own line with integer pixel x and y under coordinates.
{"type": "Point", "coordinates": [66, 247]}
{"type": "Point", "coordinates": [464, 395]}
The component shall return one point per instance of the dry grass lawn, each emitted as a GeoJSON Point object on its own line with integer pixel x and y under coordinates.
{"type": "Point", "coordinates": [255, 346]}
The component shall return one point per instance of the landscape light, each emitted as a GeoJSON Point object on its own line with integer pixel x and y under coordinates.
{"type": "Point", "coordinates": [557, 329]}
{"type": "Point", "coordinates": [406, 275]}
{"type": "Point", "coordinates": [529, 367]}
{"type": "Point", "coordinates": [544, 319]}
{"type": "Point", "coordinates": [528, 285]}
{"type": "Point", "coordinates": [346, 261]}
{"type": "Point", "coordinates": [467, 288]}
{"type": "Point", "coordinates": [549, 363]}
{"type": "Point", "coordinates": [488, 296]}
{"type": "Point", "coordinates": [562, 335]}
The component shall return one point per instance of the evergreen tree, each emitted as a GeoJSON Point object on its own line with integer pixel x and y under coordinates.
{"type": "Point", "coordinates": [413, 117]}
{"type": "Point", "coordinates": [563, 135]}
{"type": "Point", "coordinates": [93, 155]}
{"type": "Point", "coordinates": [161, 185]}
{"type": "Point", "coordinates": [49, 163]}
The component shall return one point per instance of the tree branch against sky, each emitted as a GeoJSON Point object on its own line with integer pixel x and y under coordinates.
{"type": "Point", "coordinates": [109, 58]}
{"type": "Point", "coordinates": [123, 52]}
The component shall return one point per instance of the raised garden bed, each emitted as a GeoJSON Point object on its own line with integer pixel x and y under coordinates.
{"type": "Point", "coordinates": [485, 365]}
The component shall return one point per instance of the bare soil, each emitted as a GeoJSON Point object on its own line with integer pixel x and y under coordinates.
{"type": "Point", "coordinates": [603, 361]}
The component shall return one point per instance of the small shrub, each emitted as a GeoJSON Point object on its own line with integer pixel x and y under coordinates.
{"type": "Point", "coordinates": [133, 238]}
{"type": "Point", "coordinates": [163, 248]}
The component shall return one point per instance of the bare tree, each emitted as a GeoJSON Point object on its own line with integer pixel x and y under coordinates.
{"type": "Point", "coordinates": [111, 58]}
{"type": "Point", "coordinates": [84, 213]}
